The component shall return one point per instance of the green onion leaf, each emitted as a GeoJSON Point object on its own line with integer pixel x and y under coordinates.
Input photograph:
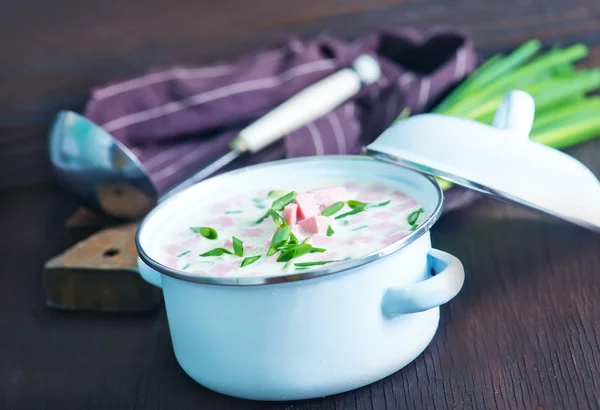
{"type": "Point", "coordinates": [382, 204]}
{"type": "Point", "coordinates": [183, 253]}
{"type": "Point", "coordinates": [294, 253]}
{"type": "Point", "coordinates": [412, 218]}
{"type": "Point", "coordinates": [352, 212]}
{"type": "Point", "coordinates": [262, 218]}
{"type": "Point", "coordinates": [186, 266]}
{"type": "Point", "coordinates": [278, 219]}
{"type": "Point", "coordinates": [249, 260]}
{"type": "Point", "coordinates": [317, 250]}
{"type": "Point", "coordinates": [277, 193]}
{"type": "Point", "coordinates": [208, 233]}
{"type": "Point", "coordinates": [333, 209]}
{"type": "Point", "coordinates": [330, 231]}
{"type": "Point", "coordinates": [238, 246]}
{"type": "Point", "coordinates": [293, 240]}
{"type": "Point", "coordinates": [280, 238]}
{"type": "Point", "coordinates": [216, 252]}
{"type": "Point", "coordinates": [361, 227]}
{"type": "Point", "coordinates": [284, 201]}
{"type": "Point", "coordinates": [233, 212]}
{"type": "Point", "coordinates": [304, 264]}
{"type": "Point", "coordinates": [356, 204]}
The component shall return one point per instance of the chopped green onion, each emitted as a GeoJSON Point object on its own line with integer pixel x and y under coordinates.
{"type": "Point", "coordinates": [330, 231]}
{"type": "Point", "coordinates": [412, 218]}
{"type": "Point", "coordinates": [249, 260]}
{"type": "Point", "coordinates": [284, 201]}
{"type": "Point", "coordinates": [238, 246]}
{"type": "Point", "coordinates": [333, 209]}
{"type": "Point", "coordinates": [278, 219]}
{"type": "Point", "coordinates": [183, 253]}
{"type": "Point", "coordinates": [361, 227]}
{"type": "Point", "coordinates": [280, 238]}
{"type": "Point", "coordinates": [356, 204]}
{"type": "Point", "coordinates": [208, 233]}
{"type": "Point", "coordinates": [216, 252]}
{"type": "Point", "coordinates": [344, 223]}
{"type": "Point", "coordinates": [234, 212]}
{"type": "Point", "coordinates": [262, 218]}
{"type": "Point", "coordinates": [317, 250]}
{"type": "Point", "coordinates": [305, 264]}
{"type": "Point", "coordinates": [352, 212]}
{"type": "Point", "coordinates": [277, 193]}
{"type": "Point", "coordinates": [294, 253]}
{"type": "Point", "coordinates": [381, 204]}
{"type": "Point", "coordinates": [293, 240]}
{"type": "Point", "coordinates": [185, 267]}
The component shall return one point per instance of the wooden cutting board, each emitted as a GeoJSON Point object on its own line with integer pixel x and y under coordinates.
{"type": "Point", "coordinates": [98, 272]}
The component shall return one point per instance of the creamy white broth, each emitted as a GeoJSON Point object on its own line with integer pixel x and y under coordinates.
{"type": "Point", "coordinates": [236, 215]}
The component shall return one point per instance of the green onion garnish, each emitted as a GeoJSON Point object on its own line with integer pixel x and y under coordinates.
{"type": "Point", "coordinates": [238, 246]}
{"type": "Point", "coordinates": [382, 204]}
{"type": "Point", "coordinates": [183, 253]}
{"type": "Point", "coordinates": [330, 231]}
{"type": "Point", "coordinates": [293, 240]}
{"type": "Point", "coordinates": [262, 218]}
{"type": "Point", "coordinates": [304, 264]}
{"type": "Point", "coordinates": [356, 204]}
{"type": "Point", "coordinates": [217, 252]}
{"type": "Point", "coordinates": [412, 218]}
{"type": "Point", "coordinates": [284, 201]}
{"type": "Point", "coordinates": [361, 227]}
{"type": "Point", "coordinates": [279, 239]}
{"type": "Point", "coordinates": [208, 233]}
{"type": "Point", "coordinates": [317, 250]}
{"type": "Point", "coordinates": [249, 260]}
{"type": "Point", "coordinates": [234, 212]}
{"type": "Point", "coordinates": [185, 267]}
{"type": "Point", "coordinates": [333, 209]}
{"type": "Point", "coordinates": [294, 253]}
{"type": "Point", "coordinates": [344, 223]}
{"type": "Point", "coordinates": [278, 219]}
{"type": "Point", "coordinates": [352, 212]}
{"type": "Point", "coordinates": [277, 193]}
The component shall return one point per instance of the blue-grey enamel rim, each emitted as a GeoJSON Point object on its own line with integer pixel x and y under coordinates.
{"type": "Point", "coordinates": [294, 277]}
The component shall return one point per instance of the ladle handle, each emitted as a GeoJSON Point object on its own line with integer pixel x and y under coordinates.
{"type": "Point", "coordinates": [308, 105]}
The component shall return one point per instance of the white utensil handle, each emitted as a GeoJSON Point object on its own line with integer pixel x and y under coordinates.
{"type": "Point", "coordinates": [309, 104]}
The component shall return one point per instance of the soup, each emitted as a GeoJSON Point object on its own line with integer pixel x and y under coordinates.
{"type": "Point", "coordinates": [288, 229]}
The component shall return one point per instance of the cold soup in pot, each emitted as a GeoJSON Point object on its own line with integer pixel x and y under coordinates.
{"type": "Point", "coordinates": [288, 229]}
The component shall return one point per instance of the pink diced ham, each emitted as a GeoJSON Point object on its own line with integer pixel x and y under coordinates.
{"type": "Point", "coordinates": [393, 238]}
{"type": "Point", "coordinates": [224, 221]}
{"type": "Point", "coordinates": [361, 239]}
{"type": "Point", "coordinates": [221, 269]}
{"type": "Point", "coordinates": [326, 197]}
{"type": "Point", "coordinates": [290, 214]}
{"type": "Point", "coordinates": [384, 215]}
{"type": "Point", "coordinates": [174, 249]}
{"type": "Point", "coordinates": [323, 240]}
{"type": "Point", "coordinates": [314, 224]}
{"type": "Point", "coordinates": [405, 205]}
{"type": "Point", "coordinates": [307, 206]}
{"type": "Point", "coordinates": [253, 232]}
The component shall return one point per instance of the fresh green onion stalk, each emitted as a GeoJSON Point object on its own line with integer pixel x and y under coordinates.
{"type": "Point", "coordinates": [565, 114]}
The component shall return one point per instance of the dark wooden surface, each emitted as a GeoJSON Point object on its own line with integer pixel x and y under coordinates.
{"type": "Point", "coordinates": [524, 332]}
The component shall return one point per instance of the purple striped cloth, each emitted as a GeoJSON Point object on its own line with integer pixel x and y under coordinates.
{"type": "Point", "coordinates": [178, 119]}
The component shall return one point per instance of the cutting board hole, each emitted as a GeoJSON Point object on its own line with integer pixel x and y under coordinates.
{"type": "Point", "coordinates": [109, 253]}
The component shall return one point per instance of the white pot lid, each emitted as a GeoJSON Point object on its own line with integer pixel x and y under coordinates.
{"type": "Point", "coordinates": [496, 160]}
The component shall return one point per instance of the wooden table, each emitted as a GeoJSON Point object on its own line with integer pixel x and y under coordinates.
{"type": "Point", "coordinates": [524, 333]}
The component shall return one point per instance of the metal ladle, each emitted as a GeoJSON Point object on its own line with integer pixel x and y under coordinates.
{"type": "Point", "coordinates": [110, 179]}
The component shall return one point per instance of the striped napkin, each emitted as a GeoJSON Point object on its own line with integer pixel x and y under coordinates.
{"type": "Point", "coordinates": [178, 119]}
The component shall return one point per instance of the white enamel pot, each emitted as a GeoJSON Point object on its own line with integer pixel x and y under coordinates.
{"type": "Point", "coordinates": [313, 334]}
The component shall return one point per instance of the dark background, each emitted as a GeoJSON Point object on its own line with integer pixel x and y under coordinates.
{"type": "Point", "coordinates": [524, 333]}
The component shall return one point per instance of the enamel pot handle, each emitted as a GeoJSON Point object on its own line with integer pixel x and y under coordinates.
{"type": "Point", "coordinates": [148, 274]}
{"type": "Point", "coordinates": [448, 278]}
